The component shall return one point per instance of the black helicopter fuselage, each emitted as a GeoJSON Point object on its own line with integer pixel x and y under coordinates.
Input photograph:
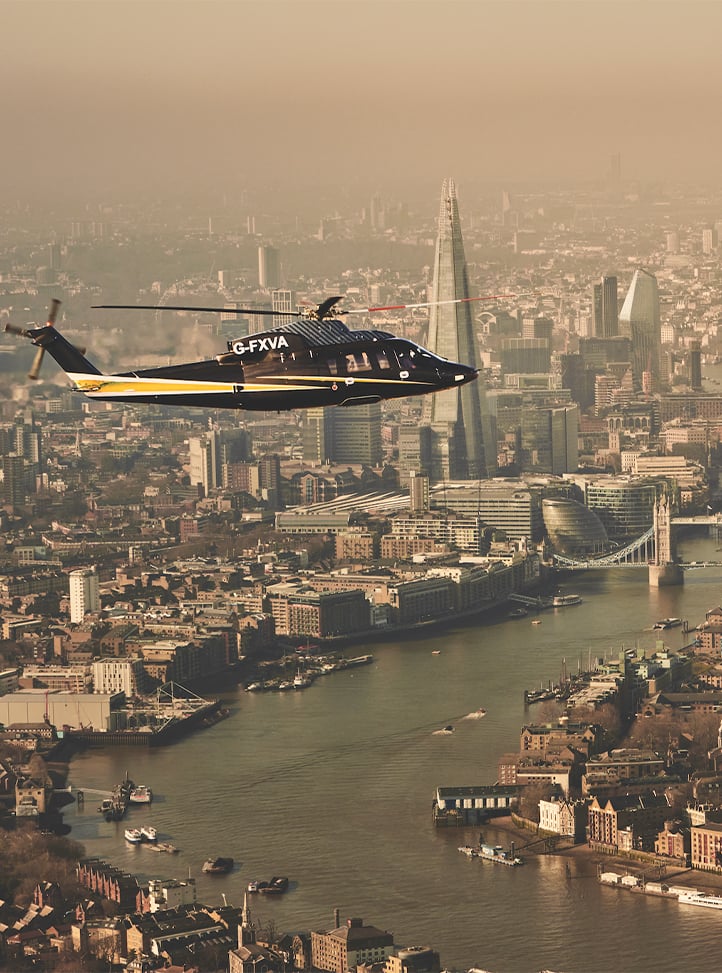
{"type": "Point", "coordinates": [280, 370]}
{"type": "Point", "coordinates": [304, 364]}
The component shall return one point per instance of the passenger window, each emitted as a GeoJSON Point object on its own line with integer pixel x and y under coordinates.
{"type": "Point", "coordinates": [332, 366]}
{"type": "Point", "coordinates": [383, 360]}
{"type": "Point", "coordinates": [359, 361]}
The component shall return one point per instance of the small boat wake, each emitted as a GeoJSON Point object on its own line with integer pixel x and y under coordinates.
{"type": "Point", "coordinates": [478, 714]}
{"type": "Point", "coordinates": [447, 731]}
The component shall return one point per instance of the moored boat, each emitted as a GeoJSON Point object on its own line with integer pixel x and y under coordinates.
{"type": "Point", "coordinates": [705, 899]}
{"type": "Point", "coordinates": [518, 613]}
{"type": "Point", "coordinates": [495, 853]}
{"type": "Point", "coordinates": [133, 835]}
{"type": "Point", "coordinates": [148, 833]}
{"type": "Point", "coordinates": [277, 885]}
{"type": "Point", "coordinates": [141, 795]}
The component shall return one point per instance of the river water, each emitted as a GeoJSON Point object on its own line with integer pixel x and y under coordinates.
{"type": "Point", "coordinates": [333, 786]}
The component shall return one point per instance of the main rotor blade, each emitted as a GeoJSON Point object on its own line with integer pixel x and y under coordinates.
{"type": "Point", "coordinates": [179, 307]}
{"type": "Point", "coordinates": [401, 307]}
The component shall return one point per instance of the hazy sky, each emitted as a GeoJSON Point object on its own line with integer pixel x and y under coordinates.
{"type": "Point", "coordinates": [107, 96]}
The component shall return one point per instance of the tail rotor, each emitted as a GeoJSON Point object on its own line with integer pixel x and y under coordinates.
{"type": "Point", "coordinates": [34, 372]}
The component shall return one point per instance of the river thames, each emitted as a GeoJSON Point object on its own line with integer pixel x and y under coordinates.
{"type": "Point", "coordinates": [332, 786]}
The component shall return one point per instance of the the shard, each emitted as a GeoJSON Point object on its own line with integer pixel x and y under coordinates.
{"type": "Point", "coordinates": [463, 446]}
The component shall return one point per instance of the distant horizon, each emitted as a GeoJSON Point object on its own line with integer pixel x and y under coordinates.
{"type": "Point", "coordinates": [113, 99]}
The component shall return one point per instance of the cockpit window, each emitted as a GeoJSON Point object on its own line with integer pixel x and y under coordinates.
{"type": "Point", "coordinates": [408, 358]}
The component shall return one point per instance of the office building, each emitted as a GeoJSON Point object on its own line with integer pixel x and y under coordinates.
{"type": "Point", "coordinates": [605, 308]}
{"type": "Point", "coordinates": [418, 492]}
{"type": "Point", "coordinates": [283, 301]}
{"type": "Point", "coordinates": [317, 436]}
{"type": "Point", "coordinates": [84, 594]}
{"type": "Point", "coordinates": [119, 676]}
{"type": "Point", "coordinates": [357, 435]}
{"type": "Point", "coordinates": [537, 327]}
{"type": "Point", "coordinates": [550, 439]}
{"type": "Point", "coordinates": [269, 473]}
{"type": "Point", "coordinates": [14, 479]}
{"type": "Point", "coordinates": [463, 445]}
{"type": "Point", "coordinates": [415, 448]}
{"type": "Point", "coordinates": [205, 462]}
{"type": "Point", "coordinates": [530, 356]}
{"type": "Point", "coordinates": [625, 506]}
{"type": "Point", "coordinates": [269, 268]}
{"type": "Point", "coordinates": [695, 365]}
{"type": "Point", "coordinates": [639, 320]}
{"type": "Point", "coordinates": [506, 506]}
{"type": "Point", "coordinates": [709, 240]}
{"type": "Point", "coordinates": [345, 947]}
{"type": "Point", "coordinates": [572, 528]}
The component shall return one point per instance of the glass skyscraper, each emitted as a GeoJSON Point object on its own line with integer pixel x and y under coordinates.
{"type": "Point", "coordinates": [606, 312]}
{"type": "Point", "coordinates": [639, 320]}
{"type": "Point", "coordinates": [463, 446]}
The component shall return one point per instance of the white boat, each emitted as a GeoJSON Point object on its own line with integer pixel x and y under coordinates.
{"type": "Point", "coordinates": [468, 851]}
{"type": "Point", "coordinates": [141, 795]}
{"type": "Point", "coordinates": [693, 897]}
{"type": "Point", "coordinates": [665, 623]}
{"type": "Point", "coordinates": [560, 601]}
{"type": "Point", "coordinates": [148, 833]}
{"type": "Point", "coordinates": [133, 835]}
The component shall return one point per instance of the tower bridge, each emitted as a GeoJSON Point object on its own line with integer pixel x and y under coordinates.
{"type": "Point", "coordinates": [653, 550]}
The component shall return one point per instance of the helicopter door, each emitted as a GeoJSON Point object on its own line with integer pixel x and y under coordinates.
{"type": "Point", "coordinates": [407, 362]}
{"type": "Point", "coordinates": [385, 361]}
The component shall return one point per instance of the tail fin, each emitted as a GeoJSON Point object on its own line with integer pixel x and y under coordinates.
{"type": "Point", "coordinates": [70, 358]}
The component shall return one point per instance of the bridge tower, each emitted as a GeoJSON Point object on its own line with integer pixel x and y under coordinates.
{"type": "Point", "coordinates": [663, 570]}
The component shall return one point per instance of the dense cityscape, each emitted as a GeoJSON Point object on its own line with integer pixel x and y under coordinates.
{"type": "Point", "coordinates": [153, 554]}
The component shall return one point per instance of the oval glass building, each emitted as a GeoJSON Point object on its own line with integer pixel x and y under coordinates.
{"type": "Point", "coordinates": [572, 528]}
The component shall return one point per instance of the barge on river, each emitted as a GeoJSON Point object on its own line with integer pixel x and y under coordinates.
{"type": "Point", "coordinates": [151, 723]}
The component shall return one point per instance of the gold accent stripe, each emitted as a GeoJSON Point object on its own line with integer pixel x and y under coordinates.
{"type": "Point", "coordinates": [105, 385]}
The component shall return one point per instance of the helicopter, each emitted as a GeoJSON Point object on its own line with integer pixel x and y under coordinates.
{"type": "Point", "coordinates": [313, 360]}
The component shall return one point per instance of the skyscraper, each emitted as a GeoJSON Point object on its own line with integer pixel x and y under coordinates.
{"type": "Point", "coordinates": [462, 444]}
{"type": "Point", "coordinates": [317, 435]}
{"type": "Point", "coordinates": [269, 268]}
{"type": "Point", "coordinates": [639, 320]}
{"type": "Point", "coordinates": [205, 461]}
{"type": "Point", "coordinates": [357, 435]}
{"type": "Point", "coordinates": [84, 593]}
{"type": "Point", "coordinates": [285, 301]}
{"type": "Point", "coordinates": [606, 308]}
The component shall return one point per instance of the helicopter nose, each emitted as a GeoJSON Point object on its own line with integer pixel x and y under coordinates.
{"type": "Point", "coordinates": [462, 374]}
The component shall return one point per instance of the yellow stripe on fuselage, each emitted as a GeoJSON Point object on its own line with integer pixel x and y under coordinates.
{"type": "Point", "coordinates": [110, 385]}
